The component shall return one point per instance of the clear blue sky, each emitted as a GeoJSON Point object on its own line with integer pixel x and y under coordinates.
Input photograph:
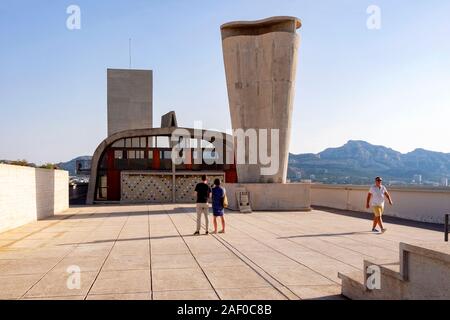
{"type": "Point", "coordinates": [388, 86]}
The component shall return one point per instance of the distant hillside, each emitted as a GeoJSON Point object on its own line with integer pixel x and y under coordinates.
{"type": "Point", "coordinates": [71, 165]}
{"type": "Point", "coordinates": [358, 162]}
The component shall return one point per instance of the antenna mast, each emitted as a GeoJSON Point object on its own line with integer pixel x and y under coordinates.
{"type": "Point", "coordinates": [129, 50]}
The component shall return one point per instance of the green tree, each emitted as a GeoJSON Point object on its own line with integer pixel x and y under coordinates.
{"type": "Point", "coordinates": [23, 163]}
{"type": "Point", "coordinates": [49, 166]}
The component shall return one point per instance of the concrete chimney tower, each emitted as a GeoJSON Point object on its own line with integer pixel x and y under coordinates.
{"type": "Point", "coordinates": [130, 100]}
{"type": "Point", "coordinates": [260, 65]}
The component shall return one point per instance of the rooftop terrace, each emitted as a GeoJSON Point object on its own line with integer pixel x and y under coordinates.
{"type": "Point", "coordinates": [148, 252]}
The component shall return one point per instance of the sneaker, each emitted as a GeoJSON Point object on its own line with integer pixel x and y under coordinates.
{"type": "Point", "coordinates": [222, 231]}
{"type": "Point", "coordinates": [207, 232]}
{"type": "Point", "coordinates": [383, 230]}
{"type": "Point", "coordinates": [196, 233]}
{"type": "Point", "coordinates": [374, 230]}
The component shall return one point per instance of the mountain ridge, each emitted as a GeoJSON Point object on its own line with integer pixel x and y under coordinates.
{"type": "Point", "coordinates": [71, 164]}
{"type": "Point", "coordinates": [358, 162]}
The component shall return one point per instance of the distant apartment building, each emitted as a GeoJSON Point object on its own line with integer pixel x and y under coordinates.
{"type": "Point", "coordinates": [417, 179]}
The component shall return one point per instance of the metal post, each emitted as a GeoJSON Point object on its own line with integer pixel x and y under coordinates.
{"type": "Point", "coordinates": [446, 227]}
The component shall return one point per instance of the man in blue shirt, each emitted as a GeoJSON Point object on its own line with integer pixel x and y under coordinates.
{"type": "Point", "coordinates": [218, 197]}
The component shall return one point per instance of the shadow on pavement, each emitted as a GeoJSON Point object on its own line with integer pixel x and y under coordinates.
{"type": "Point", "coordinates": [387, 219]}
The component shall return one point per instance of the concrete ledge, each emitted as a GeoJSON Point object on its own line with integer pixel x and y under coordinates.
{"type": "Point", "coordinates": [437, 251]}
{"type": "Point", "coordinates": [272, 196]}
{"type": "Point", "coordinates": [416, 204]}
{"type": "Point", "coordinates": [258, 27]}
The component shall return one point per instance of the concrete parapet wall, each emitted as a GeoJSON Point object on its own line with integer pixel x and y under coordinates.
{"type": "Point", "coordinates": [272, 196]}
{"type": "Point", "coordinates": [29, 194]}
{"type": "Point", "coordinates": [424, 205]}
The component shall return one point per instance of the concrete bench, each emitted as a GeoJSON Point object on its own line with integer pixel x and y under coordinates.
{"type": "Point", "coordinates": [422, 272]}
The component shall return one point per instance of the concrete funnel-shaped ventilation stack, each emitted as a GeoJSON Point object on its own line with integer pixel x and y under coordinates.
{"type": "Point", "coordinates": [260, 64]}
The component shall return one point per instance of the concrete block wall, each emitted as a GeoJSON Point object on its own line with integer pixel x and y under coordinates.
{"type": "Point", "coordinates": [29, 194]}
{"type": "Point", "coordinates": [272, 196]}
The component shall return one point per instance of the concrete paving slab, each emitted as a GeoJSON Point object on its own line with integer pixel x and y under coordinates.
{"type": "Point", "coordinates": [118, 296]}
{"type": "Point", "coordinates": [26, 266]}
{"type": "Point", "coordinates": [14, 287]}
{"type": "Point", "coordinates": [55, 284]}
{"type": "Point", "coordinates": [129, 281]}
{"type": "Point", "coordinates": [131, 261]}
{"type": "Point", "coordinates": [185, 295]}
{"type": "Point", "coordinates": [173, 261]}
{"type": "Point", "coordinates": [251, 294]}
{"type": "Point", "coordinates": [179, 279]}
{"type": "Point", "coordinates": [327, 292]}
{"type": "Point", "coordinates": [235, 277]}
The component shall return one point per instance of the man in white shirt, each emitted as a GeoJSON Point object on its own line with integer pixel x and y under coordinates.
{"type": "Point", "coordinates": [375, 199]}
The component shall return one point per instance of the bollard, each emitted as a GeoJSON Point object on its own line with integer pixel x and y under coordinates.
{"type": "Point", "coordinates": [446, 227]}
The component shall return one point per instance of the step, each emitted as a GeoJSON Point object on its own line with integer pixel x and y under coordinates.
{"type": "Point", "coordinates": [421, 273]}
{"type": "Point", "coordinates": [353, 286]}
{"type": "Point", "coordinates": [388, 267]}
